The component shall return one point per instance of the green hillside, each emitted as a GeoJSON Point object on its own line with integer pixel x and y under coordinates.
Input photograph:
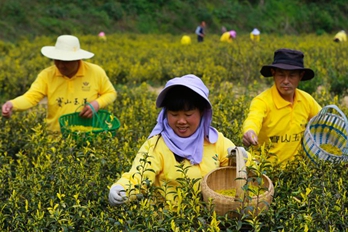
{"type": "Point", "coordinates": [33, 17]}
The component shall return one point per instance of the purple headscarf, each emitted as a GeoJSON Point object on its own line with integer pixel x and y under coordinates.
{"type": "Point", "coordinates": [191, 147]}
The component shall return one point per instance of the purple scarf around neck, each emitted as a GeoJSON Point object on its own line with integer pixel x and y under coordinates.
{"type": "Point", "coordinates": [191, 147]}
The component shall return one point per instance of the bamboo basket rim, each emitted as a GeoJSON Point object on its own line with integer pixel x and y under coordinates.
{"type": "Point", "coordinates": [339, 124]}
{"type": "Point", "coordinates": [269, 190]}
{"type": "Point", "coordinates": [228, 204]}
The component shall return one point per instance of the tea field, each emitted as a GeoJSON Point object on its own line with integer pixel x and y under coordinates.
{"type": "Point", "coordinates": [50, 183]}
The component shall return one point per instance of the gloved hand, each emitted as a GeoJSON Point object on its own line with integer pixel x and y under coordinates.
{"type": "Point", "coordinates": [117, 195]}
{"type": "Point", "coordinates": [250, 138]}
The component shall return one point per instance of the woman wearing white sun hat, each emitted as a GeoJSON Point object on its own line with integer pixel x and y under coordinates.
{"type": "Point", "coordinates": [255, 35]}
{"type": "Point", "coordinates": [67, 84]}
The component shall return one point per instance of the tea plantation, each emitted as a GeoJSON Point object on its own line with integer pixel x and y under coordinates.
{"type": "Point", "coordinates": [50, 183]}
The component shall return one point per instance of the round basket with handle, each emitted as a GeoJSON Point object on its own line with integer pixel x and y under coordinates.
{"type": "Point", "coordinates": [86, 128]}
{"type": "Point", "coordinates": [234, 177]}
{"type": "Point", "coordinates": [329, 126]}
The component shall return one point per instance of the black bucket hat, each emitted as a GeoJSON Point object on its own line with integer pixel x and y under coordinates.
{"type": "Point", "coordinates": [289, 60]}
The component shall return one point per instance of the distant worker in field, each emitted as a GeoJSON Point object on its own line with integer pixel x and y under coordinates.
{"type": "Point", "coordinates": [185, 40]}
{"type": "Point", "coordinates": [280, 114]}
{"type": "Point", "coordinates": [255, 35]}
{"type": "Point", "coordinates": [340, 37]}
{"type": "Point", "coordinates": [68, 84]}
{"type": "Point", "coordinates": [102, 36]}
{"type": "Point", "coordinates": [200, 32]}
{"type": "Point", "coordinates": [228, 36]}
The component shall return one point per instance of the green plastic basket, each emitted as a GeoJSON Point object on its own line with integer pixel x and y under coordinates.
{"type": "Point", "coordinates": [102, 120]}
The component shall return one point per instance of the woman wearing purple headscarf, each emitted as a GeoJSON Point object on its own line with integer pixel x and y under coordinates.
{"type": "Point", "coordinates": [183, 134]}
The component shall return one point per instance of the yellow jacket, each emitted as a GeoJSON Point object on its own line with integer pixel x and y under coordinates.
{"type": "Point", "coordinates": [274, 119]}
{"type": "Point", "coordinates": [185, 40]}
{"type": "Point", "coordinates": [341, 36]}
{"type": "Point", "coordinates": [226, 37]}
{"type": "Point", "coordinates": [163, 163]}
{"type": "Point", "coordinates": [65, 95]}
{"type": "Point", "coordinates": [255, 38]}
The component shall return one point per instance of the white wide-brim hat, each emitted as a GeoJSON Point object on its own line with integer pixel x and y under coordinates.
{"type": "Point", "coordinates": [67, 48]}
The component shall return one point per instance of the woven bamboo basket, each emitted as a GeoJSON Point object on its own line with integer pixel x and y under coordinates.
{"type": "Point", "coordinates": [225, 178]}
{"type": "Point", "coordinates": [329, 126]}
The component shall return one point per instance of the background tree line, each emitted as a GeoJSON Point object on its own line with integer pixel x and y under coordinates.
{"type": "Point", "coordinates": [32, 18]}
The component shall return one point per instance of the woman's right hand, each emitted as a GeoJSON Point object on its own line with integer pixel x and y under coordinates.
{"type": "Point", "coordinates": [117, 195]}
{"type": "Point", "coordinates": [7, 109]}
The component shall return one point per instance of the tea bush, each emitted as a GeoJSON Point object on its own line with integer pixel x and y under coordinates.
{"type": "Point", "coordinates": [132, 59]}
{"type": "Point", "coordinates": [48, 183]}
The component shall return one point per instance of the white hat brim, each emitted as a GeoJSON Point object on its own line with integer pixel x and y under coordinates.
{"type": "Point", "coordinates": [56, 54]}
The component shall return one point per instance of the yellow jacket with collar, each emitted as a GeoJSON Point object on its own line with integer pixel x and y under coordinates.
{"type": "Point", "coordinates": [163, 163]}
{"type": "Point", "coordinates": [65, 95]}
{"type": "Point", "coordinates": [274, 119]}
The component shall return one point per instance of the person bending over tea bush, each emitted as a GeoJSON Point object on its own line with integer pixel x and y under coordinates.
{"type": "Point", "coordinates": [255, 35]}
{"type": "Point", "coordinates": [228, 36]}
{"type": "Point", "coordinates": [183, 135]}
{"type": "Point", "coordinates": [341, 36]}
{"type": "Point", "coordinates": [67, 84]}
{"type": "Point", "coordinates": [279, 114]}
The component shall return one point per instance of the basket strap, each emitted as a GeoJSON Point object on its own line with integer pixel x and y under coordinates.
{"type": "Point", "coordinates": [78, 107]}
{"type": "Point", "coordinates": [231, 155]}
{"type": "Point", "coordinates": [231, 151]}
{"type": "Point", "coordinates": [326, 108]}
{"type": "Point", "coordinates": [90, 105]}
{"type": "Point", "coordinates": [238, 155]}
{"type": "Point", "coordinates": [324, 111]}
{"type": "Point", "coordinates": [95, 115]}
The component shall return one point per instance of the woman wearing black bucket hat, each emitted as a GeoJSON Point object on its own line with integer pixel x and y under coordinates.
{"type": "Point", "coordinates": [280, 113]}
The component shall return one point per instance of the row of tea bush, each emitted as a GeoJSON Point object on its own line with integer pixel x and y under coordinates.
{"type": "Point", "coordinates": [48, 183]}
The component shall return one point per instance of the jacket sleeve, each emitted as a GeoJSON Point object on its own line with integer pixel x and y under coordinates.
{"type": "Point", "coordinates": [107, 92]}
{"type": "Point", "coordinates": [256, 115]}
{"type": "Point", "coordinates": [145, 162]}
{"type": "Point", "coordinates": [33, 96]}
{"type": "Point", "coordinates": [198, 30]}
{"type": "Point", "coordinates": [314, 108]}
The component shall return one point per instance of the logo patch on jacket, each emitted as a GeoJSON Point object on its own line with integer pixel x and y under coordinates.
{"type": "Point", "coordinates": [86, 86]}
